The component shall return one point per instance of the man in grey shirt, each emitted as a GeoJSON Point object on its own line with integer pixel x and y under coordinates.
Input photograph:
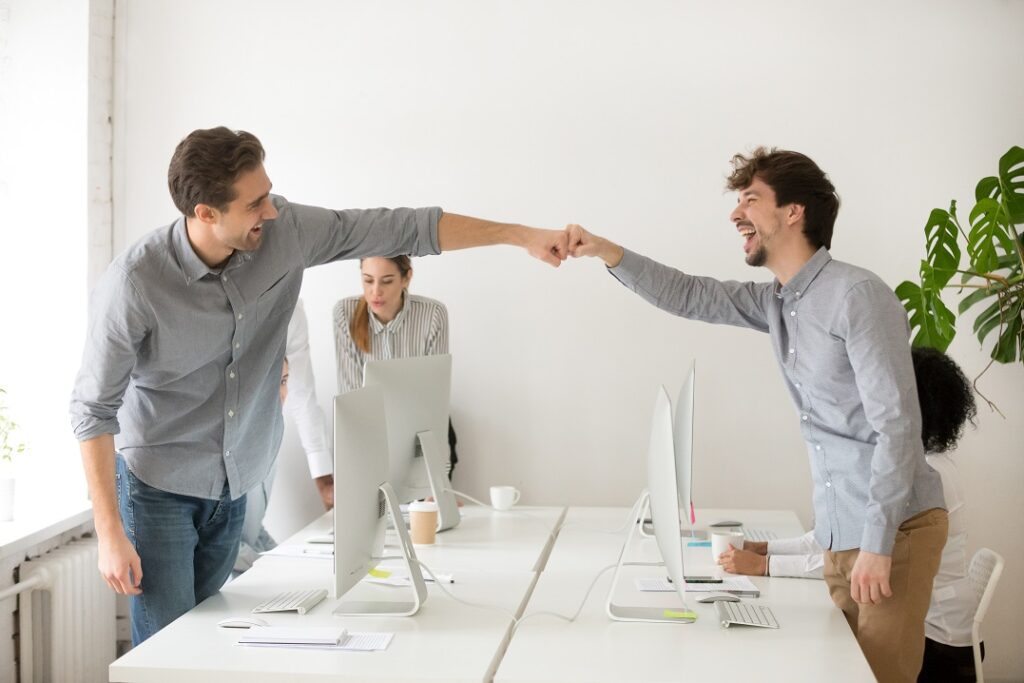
{"type": "Point", "coordinates": [840, 337]}
{"type": "Point", "coordinates": [183, 359]}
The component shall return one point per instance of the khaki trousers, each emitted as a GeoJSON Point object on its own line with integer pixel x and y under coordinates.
{"type": "Point", "coordinates": [891, 634]}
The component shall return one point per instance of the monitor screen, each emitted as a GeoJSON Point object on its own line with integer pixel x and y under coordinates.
{"type": "Point", "coordinates": [416, 397]}
{"type": "Point", "coordinates": [663, 487]}
{"type": "Point", "coordinates": [683, 436]}
{"type": "Point", "coordinates": [361, 466]}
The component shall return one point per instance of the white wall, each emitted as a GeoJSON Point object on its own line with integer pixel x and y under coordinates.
{"type": "Point", "coordinates": [621, 116]}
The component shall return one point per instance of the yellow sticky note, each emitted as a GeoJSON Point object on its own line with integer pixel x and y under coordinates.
{"type": "Point", "coordinates": [380, 573]}
{"type": "Point", "coordinates": [674, 614]}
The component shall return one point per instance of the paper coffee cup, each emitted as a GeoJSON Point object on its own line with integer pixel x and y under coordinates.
{"type": "Point", "coordinates": [423, 522]}
{"type": "Point", "coordinates": [504, 497]}
{"type": "Point", "coordinates": [722, 540]}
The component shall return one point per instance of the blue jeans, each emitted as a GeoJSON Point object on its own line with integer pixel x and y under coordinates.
{"type": "Point", "coordinates": [187, 546]}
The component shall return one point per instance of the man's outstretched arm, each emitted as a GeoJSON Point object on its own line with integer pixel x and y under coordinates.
{"type": "Point", "coordinates": [462, 232]}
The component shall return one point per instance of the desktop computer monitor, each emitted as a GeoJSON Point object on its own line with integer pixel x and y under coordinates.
{"type": "Point", "coordinates": [662, 497]}
{"type": "Point", "coordinates": [663, 488]}
{"type": "Point", "coordinates": [416, 398]}
{"type": "Point", "coordinates": [683, 438]}
{"type": "Point", "coordinates": [361, 464]}
{"type": "Point", "coordinates": [363, 499]}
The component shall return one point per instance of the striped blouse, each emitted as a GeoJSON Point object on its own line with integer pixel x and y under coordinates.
{"type": "Point", "coordinates": [419, 329]}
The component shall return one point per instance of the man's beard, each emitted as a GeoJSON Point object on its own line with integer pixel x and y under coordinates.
{"type": "Point", "coordinates": [758, 257]}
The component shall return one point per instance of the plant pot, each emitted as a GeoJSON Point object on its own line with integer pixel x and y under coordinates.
{"type": "Point", "coordinates": [6, 499]}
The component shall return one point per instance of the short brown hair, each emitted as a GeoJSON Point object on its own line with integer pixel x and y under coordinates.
{"type": "Point", "coordinates": [795, 179]}
{"type": "Point", "coordinates": [206, 164]}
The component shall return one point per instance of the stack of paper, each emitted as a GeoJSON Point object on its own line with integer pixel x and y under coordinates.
{"type": "Point", "coordinates": [737, 585]}
{"type": "Point", "coordinates": [294, 635]}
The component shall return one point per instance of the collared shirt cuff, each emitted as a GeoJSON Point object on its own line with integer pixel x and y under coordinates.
{"type": "Point", "coordinates": [90, 429]}
{"type": "Point", "coordinates": [428, 230]}
{"type": "Point", "coordinates": [878, 539]}
{"type": "Point", "coordinates": [628, 270]}
{"type": "Point", "coordinates": [321, 463]}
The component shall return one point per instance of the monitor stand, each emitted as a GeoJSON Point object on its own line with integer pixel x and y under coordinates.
{"type": "Point", "coordinates": [678, 615]}
{"type": "Point", "coordinates": [364, 608]}
{"type": "Point", "coordinates": [434, 458]}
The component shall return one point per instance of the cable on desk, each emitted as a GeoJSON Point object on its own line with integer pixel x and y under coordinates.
{"type": "Point", "coordinates": [440, 584]}
{"type": "Point", "coordinates": [562, 616]}
{"type": "Point", "coordinates": [552, 532]}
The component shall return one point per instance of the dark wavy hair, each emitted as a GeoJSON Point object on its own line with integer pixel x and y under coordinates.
{"type": "Point", "coordinates": [206, 164]}
{"type": "Point", "coordinates": [795, 179]}
{"type": "Point", "coordinates": [946, 397]}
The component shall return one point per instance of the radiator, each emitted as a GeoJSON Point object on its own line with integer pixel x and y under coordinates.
{"type": "Point", "coordinates": [67, 624]}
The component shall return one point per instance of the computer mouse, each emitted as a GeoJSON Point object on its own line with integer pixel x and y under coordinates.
{"type": "Point", "coordinates": [715, 597]}
{"type": "Point", "coordinates": [242, 622]}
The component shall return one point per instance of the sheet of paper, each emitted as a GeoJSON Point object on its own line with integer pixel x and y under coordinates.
{"type": "Point", "coordinates": [354, 642]}
{"type": "Point", "coordinates": [395, 578]}
{"type": "Point", "coordinates": [740, 584]}
{"type": "Point", "coordinates": [312, 551]}
{"type": "Point", "coordinates": [294, 635]}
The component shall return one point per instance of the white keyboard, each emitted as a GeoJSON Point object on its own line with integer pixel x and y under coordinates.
{"type": "Point", "coordinates": [745, 614]}
{"type": "Point", "coordinates": [292, 601]}
{"type": "Point", "coordinates": [759, 535]}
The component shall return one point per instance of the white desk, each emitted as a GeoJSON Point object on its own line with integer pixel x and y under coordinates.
{"type": "Point", "coordinates": [491, 555]}
{"type": "Point", "coordinates": [814, 642]}
{"type": "Point", "coordinates": [516, 540]}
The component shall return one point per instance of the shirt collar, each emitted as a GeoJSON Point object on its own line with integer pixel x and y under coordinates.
{"type": "Point", "coordinates": [191, 265]}
{"type": "Point", "coordinates": [799, 283]}
{"type": "Point", "coordinates": [395, 325]}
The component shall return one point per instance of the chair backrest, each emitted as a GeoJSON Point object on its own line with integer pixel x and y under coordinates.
{"type": "Point", "coordinates": [986, 566]}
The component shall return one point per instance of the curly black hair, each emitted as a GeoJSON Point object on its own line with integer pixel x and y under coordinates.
{"type": "Point", "coordinates": [947, 400]}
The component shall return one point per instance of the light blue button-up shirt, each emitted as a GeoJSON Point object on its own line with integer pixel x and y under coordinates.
{"type": "Point", "coordinates": [840, 337]}
{"type": "Point", "coordinates": [183, 362]}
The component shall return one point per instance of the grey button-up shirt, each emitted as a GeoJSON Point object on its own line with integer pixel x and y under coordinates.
{"type": "Point", "coordinates": [840, 337]}
{"type": "Point", "coordinates": [182, 362]}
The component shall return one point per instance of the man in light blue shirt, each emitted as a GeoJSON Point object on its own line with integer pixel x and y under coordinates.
{"type": "Point", "coordinates": [840, 337]}
{"type": "Point", "coordinates": [183, 357]}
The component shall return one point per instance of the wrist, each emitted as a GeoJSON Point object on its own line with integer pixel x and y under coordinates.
{"type": "Point", "coordinates": [766, 565]}
{"type": "Point", "coordinates": [611, 254]}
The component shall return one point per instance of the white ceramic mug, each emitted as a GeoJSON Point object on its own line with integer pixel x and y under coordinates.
{"type": "Point", "coordinates": [722, 540]}
{"type": "Point", "coordinates": [423, 522]}
{"type": "Point", "coordinates": [504, 497]}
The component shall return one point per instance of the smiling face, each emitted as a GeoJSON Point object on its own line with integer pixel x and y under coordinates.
{"type": "Point", "coordinates": [240, 225]}
{"type": "Point", "coordinates": [383, 284]}
{"type": "Point", "coordinates": [759, 221]}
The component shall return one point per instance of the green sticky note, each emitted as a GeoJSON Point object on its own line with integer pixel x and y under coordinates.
{"type": "Point", "coordinates": [379, 573]}
{"type": "Point", "coordinates": [675, 614]}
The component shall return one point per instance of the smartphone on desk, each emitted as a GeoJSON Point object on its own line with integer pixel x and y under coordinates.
{"type": "Point", "coordinates": [702, 579]}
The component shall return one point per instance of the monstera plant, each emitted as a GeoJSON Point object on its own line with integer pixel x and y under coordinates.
{"type": "Point", "coordinates": [992, 278]}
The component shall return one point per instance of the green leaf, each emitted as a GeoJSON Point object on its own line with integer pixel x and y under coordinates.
{"type": "Point", "coordinates": [1005, 350]}
{"type": "Point", "coordinates": [1011, 181]}
{"type": "Point", "coordinates": [941, 245]}
{"type": "Point", "coordinates": [978, 295]}
{"type": "Point", "coordinates": [989, 230]}
{"type": "Point", "coordinates": [935, 324]}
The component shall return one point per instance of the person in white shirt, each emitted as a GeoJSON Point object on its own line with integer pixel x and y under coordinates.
{"type": "Point", "coordinates": [298, 384]}
{"type": "Point", "coordinates": [947, 403]}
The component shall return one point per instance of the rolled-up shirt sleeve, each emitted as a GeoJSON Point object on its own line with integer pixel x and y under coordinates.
{"type": "Point", "coordinates": [119, 321]}
{"type": "Point", "coordinates": [327, 235]}
{"type": "Point", "coordinates": [876, 331]}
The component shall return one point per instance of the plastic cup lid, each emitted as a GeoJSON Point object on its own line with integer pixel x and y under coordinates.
{"type": "Point", "coordinates": [423, 506]}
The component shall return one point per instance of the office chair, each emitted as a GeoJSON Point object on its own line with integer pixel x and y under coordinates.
{"type": "Point", "coordinates": [986, 566]}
